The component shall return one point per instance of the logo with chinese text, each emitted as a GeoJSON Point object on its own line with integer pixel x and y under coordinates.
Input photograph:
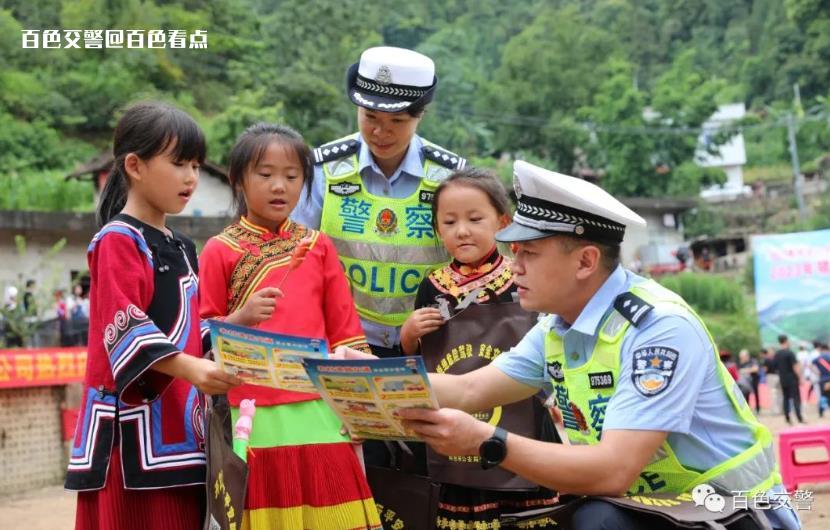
{"type": "Point", "coordinates": [653, 369]}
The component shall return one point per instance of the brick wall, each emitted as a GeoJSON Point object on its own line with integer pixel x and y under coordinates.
{"type": "Point", "coordinates": [31, 451]}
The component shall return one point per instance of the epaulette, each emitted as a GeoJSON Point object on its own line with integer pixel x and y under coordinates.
{"type": "Point", "coordinates": [632, 307]}
{"type": "Point", "coordinates": [343, 147]}
{"type": "Point", "coordinates": [448, 159]}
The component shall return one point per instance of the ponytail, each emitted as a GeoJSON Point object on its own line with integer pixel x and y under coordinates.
{"type": "Point", "coordinates": [114, 195]}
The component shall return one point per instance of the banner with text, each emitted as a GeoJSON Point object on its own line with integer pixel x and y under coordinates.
{"type": "Point", "coordinates": [41, 366]}
{"type": "Point", "coordinates": [792, 285]}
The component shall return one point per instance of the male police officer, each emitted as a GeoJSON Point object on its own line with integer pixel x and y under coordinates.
{"type": "Point", "coordinates": [373, 190]}
{"type": "Point", "coordinates": [646, 404]}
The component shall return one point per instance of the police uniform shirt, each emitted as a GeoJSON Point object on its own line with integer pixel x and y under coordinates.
{"type": "Point", "coordinates": [703, 428]}
{"type": "Point", "coordinates": [402, 183]}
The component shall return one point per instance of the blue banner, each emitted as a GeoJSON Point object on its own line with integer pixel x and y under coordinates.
{"type": "Point", "coordinates": [792, 285]}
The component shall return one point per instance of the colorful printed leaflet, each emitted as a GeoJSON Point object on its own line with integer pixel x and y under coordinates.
{"type": "Point", "coordinates": [262, 358]}
{"type": "Point", "coordinates": [367, 394]}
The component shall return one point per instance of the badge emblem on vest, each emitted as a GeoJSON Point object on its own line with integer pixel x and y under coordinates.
{"type": "Point", "coordinates": [555, 371]}
{"type": "Point", "coordinates": [426, 196]}
{"type": "Point", "coordinates": [581, 423]}
{"type": "Point", "coordinates": [387, 223]}
{"type": "Point", "coordinates": [653, 369]}
{"type": "Point", "coordinates": [344, 189]}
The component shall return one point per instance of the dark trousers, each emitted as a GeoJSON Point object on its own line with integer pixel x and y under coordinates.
{"type": "Point", "coordinates": [791, 392]}
{"type": "Point", "coordinates": [599, 515]}
{"type": "Point", "coordinates": [755, 384]}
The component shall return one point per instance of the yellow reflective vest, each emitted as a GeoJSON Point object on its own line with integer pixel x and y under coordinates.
{"type": "Point", "coordinates": [386, 245]}
{"type": "Point", "coordinates": [583, 403]}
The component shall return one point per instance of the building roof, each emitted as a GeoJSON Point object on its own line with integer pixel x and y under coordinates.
{"type": "Point", "coordinates": [103, 162]}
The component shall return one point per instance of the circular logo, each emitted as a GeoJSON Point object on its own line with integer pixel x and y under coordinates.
{"type": "Point", "coordinates": [652, 382]}
{"type": "Point", "coordinates": [386, 223]}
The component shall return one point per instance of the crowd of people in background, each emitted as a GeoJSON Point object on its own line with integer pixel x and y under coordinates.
{"type": "Point", "coordinates": [784, 372]}
{"type": "Point", "coordinates": [66, 323]}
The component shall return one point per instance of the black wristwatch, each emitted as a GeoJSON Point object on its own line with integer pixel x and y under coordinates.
{"type": "Point", "coordinates": [494, 449]}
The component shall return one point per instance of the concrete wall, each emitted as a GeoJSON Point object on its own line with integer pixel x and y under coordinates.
{"type": "Point", "coordinates": [656, 233]}
{"type": "Point", "coordinates": [54, 272]}
{"type": "Point", "coordinates": [42, 230]}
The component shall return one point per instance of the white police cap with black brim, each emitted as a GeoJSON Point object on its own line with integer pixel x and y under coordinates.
{"type": "Point", "coordinates": [550, 203]}
{"type": "Point", "coordinates": [389, 79]}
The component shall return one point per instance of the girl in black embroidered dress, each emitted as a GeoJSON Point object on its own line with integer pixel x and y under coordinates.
{"type": "Point", "coordinates": [468, 208]}
{"type": "Point", "coordinates": [138, 459]}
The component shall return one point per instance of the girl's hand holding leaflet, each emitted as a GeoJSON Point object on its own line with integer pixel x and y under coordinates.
{"type": "Point", "coordinates": [202, 373]}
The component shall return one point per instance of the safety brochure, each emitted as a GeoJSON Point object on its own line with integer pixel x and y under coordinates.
{"type": "Point", "coordinates": [262, 358]}
{"type": "Point", "coordinates": [367, 394]}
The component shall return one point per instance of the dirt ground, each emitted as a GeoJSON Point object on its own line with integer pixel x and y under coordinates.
{"type": "Point", "coordinates": [53, 508]}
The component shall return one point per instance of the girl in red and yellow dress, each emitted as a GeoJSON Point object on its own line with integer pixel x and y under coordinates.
{"type": "Point", "coordinates": [303, 472]}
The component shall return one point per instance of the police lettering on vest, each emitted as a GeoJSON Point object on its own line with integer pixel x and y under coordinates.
{"type": "Point", "coordinates": [386, 245]}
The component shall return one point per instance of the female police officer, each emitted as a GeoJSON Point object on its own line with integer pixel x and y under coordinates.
{"type": "Point", "coordinates": [372, 190]}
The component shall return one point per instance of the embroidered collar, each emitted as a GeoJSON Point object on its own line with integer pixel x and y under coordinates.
{"type": "Point", "coordinates": [283, 231]}
{"type": "Point", "coordinates": [448, 280]}
{"type": "Point", "coordinates": [485, 265]}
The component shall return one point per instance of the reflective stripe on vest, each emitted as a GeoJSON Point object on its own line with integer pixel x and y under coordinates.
{"type": "Point", "coordinates": [386, 245]}
{"type": "Point", "coordinates": [751, 471]}
{"type": "Point", "coordinates": [414, 255]}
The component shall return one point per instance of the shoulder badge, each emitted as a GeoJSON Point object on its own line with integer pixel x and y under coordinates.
{"type": "Point", "coordinates": [632, 307]}
{"type": "Point", "coordinates": [445, 158]}
{"type": "Point", "coordinates": [337, 149]}
{"type": "Point", "coordinates": [653, 368]}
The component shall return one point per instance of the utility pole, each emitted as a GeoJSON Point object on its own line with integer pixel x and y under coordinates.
{"type": "Point", "coordinates": [798, 178]}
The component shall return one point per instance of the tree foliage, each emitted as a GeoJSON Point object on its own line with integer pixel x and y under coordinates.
{"type": "Point", "coordinates": [565, 82]}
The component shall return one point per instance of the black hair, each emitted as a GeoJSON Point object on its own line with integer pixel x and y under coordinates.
{"type": "Point", "coordinates": [417, 111]}
{"type": "Point", "coordinates": [147, 129]}
{"type": "Point", "coordinates": [480, 179]}
{"type": "Point", "coordinates": [609, 252]}
{"type": "Point", "coordinates": [249, 149]}
{"type": "Point", "coordinates": [782, 339]}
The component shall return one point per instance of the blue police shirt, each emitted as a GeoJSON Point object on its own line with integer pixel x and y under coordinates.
{"type": "Point", "coordinates": [703, 428]}
{"type": "Point", "coordinates": [403, 183]}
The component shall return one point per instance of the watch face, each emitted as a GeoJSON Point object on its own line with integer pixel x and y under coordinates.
{"type": "Point", "coordinates": [493, 451]}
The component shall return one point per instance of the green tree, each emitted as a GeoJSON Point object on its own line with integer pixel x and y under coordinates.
{"type": "Point", "coordinates": [547, 71]}
{"type": "Point", "coordinates": [625, 156]}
